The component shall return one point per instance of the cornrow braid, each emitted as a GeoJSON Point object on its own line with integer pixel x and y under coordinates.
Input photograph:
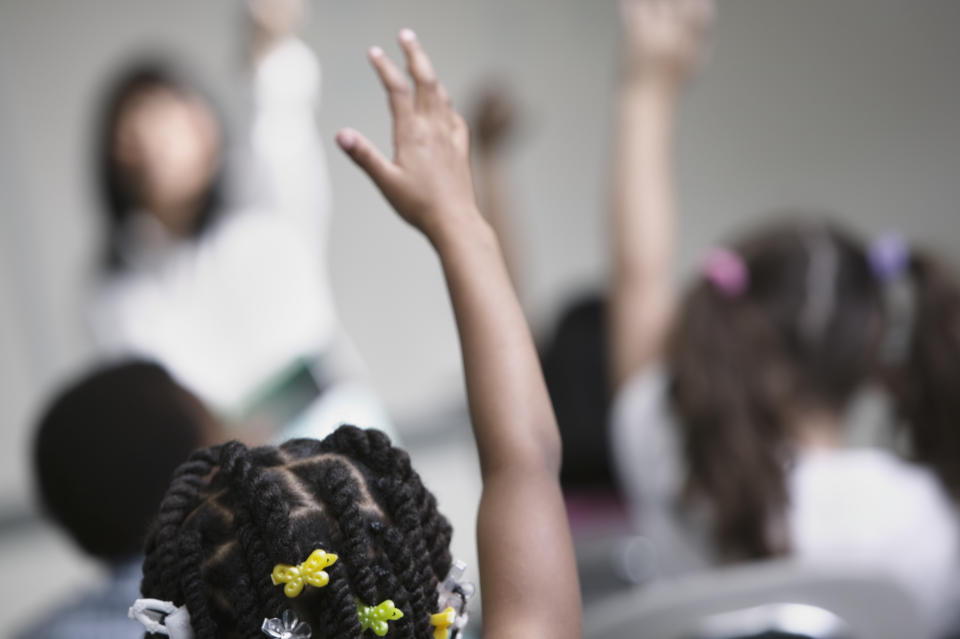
{"type": "Point", "coordinates": [232, 513]}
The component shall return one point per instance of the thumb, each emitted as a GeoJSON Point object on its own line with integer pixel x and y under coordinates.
{"type": "Point", "coordinates": [381, 170]}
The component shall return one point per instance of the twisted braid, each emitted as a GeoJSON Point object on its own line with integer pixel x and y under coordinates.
{"type": "Point", "coordinates": [342, 603]}
{"type": "Point", "coordinates": [402, 563]}
{"type": "Point", "coordinates": [182, 497]}
{"type": "Point", "coordinates": [260, 501]}
{"type": "Point", "coordinates": [343, 497]}
{"type": "Point", "coordinates": [373, 449]}
{"type": "Point", "coordinates": [417, 575]}
{"type": "Point", "coordinates": [191, 585]}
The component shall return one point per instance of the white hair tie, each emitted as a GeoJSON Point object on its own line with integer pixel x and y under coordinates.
{"type": "Point", "coordinates": [162, 618]}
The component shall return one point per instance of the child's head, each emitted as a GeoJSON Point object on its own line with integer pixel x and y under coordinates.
{"type": "Point", "coordinates": [232, 514]}
{"type": "Point", "coordinates": [785, 326]}
{"type": "Point", "coordinates": [574, 363]}
{"type": "Point", "coordinates": [106, 448]}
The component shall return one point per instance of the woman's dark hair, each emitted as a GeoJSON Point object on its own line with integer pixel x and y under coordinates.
{"type": "Point", "coordinates": [232, 513]}
{"type": "Point", "coordinates": [803, 336]}
{"type": "Point", "coordinates": [106, 448]}
{"type": "Point", "coordinates": [926, 380]}
{"type": "Point", "coordinates": [119, 200]}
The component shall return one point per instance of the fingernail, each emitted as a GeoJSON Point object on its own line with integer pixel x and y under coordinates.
{"type": "Point", "coordinates": [376, 52]}
{"type": "Point", "coordinates": [407, 35]}
{"type": "Point", "coordinates": [346, 140]}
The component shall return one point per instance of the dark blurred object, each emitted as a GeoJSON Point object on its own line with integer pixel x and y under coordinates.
{"type": "Point", "coordinates": [103, 456]}
{"type": "Point", "coordinates": [574, 362]}
{"type": "Point", "coordinates": [495, 117]}
{"type": "Point", "coordinates": [106, 448]}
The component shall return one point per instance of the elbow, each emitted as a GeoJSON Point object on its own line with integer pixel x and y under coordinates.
{"type": "Point", "coordinates": [539, 454]}
{"type": "Point", "coordinates": [543, 452]}
{"type": "Point", "coordinates": [551, 452]}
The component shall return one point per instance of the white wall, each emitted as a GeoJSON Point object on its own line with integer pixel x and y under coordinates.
{"type": "Point", "coordinates": [846, 104]}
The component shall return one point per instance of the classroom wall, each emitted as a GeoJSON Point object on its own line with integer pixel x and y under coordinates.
{"type": "Point", "coordinates": [849, 105]}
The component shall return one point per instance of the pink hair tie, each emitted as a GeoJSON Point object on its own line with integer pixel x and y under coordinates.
{"type": "Point", "coordinates": [727, 271]}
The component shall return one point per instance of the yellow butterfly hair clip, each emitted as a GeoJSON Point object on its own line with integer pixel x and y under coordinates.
{"type": "Point", "coordinates": [376, 617]}
{"type": "Point", "coordinates": [309, 572]}
{"type": "Point", "coordinates": [442, 621]}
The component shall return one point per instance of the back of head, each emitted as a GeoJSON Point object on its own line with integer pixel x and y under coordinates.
{"type": "Point", "coordinates": [799, 337]}
{"type": "Point", "coordinates": [575, 369]}
{"type": "Point", "coordinates": [106, 448]}
{"type": "Point", "coordinates": [232, 514]}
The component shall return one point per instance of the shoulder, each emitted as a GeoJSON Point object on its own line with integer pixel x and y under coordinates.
{"type": "Point", "coordinates": [640, 405]}
{"type": "Point", "coordinates": [877, 486]}
{"type": "Point", "coordinates": [644, 437]}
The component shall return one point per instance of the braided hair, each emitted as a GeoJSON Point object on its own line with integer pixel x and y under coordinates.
{"type": "Point", "coordinates": [232, 513]}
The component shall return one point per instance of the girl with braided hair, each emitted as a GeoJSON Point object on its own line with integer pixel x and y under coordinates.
{"type": "Point", "coordinates": [339, 538]}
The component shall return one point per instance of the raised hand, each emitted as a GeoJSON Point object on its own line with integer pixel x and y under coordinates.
{"type": "Point", "coordinates": [521, 509]}
{"type": "Point", "coordinates": [276, 18]}
{"type": "Point", "coordinates": [664, 38]}
{"type": "Point", "coordinates": [428, 181]}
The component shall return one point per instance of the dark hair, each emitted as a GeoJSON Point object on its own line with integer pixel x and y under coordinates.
{"type": "Point", "coordinates": [105, 451]}
{"type": "Point", "coordinates": [119, 200]}
{"type": "Point", "coordinates": [744, 365]}
{"type": "Point", "coordinates": [926, 382]}
{"type": "Point", "coordinates": [574, 364]}
{"type": "Point", "coordinates": [232, 513]}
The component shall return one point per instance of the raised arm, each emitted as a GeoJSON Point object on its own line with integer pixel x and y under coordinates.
{"type": "Point", "coordinates": [661, 44]}
{"type": "Point", "coordinates": [527, 566]}
{"type": "Point", "coordinates": [289, 172]}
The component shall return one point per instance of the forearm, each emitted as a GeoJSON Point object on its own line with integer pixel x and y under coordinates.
{"type": "Point", "coordinates": [643, 225]}
{"type": "Point", "coordinates": [288, 158]}
{"type": "Point", "coordinates": [511, 412]}
{"type": "Point", "coordinates": [525, 548]}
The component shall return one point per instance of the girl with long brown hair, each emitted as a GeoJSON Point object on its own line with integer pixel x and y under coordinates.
{"type": "Point", "coordinates": [730, 402]}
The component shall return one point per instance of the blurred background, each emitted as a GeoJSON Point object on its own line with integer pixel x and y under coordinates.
{"type": "Point", "coordinates": [850, 106]}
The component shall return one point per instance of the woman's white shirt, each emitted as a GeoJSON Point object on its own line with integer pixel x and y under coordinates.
{"type": "Point", "coordinates": [229, 309]}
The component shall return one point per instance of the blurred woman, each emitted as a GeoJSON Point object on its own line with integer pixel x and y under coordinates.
{"type": "Point", "coordinates": [205, 256]}
{"type": "Point", "coordinates": [728, 419]}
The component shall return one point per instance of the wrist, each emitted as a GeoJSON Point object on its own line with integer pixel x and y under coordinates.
{"type": "Point", "coordinates": [459, 227]}
{"type": "Point", "coordinates": [653, 103]}
{"type": "Point", "coordinates": [658, 84]}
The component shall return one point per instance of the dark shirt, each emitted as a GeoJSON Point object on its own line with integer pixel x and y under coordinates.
{"type": "Point", "coordinates": [100, 613]}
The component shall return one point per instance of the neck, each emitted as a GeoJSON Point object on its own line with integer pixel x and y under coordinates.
{"type": "Point", "coordinates": [817, 430]}
{"type": "Point", "coordinates": [177, 220]}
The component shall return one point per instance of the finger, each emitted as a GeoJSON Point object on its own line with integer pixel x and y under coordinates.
{"type": "Point", "coordinates": [421, 69]}
{"type": "Point", "coordinates": [444, 96]}
{"type": "Point", "coordinates": [700, 14]}
{"type": "Point", "coordinates": [395, 83]}
{"type": "Point", "coordinates": [380, 169]}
